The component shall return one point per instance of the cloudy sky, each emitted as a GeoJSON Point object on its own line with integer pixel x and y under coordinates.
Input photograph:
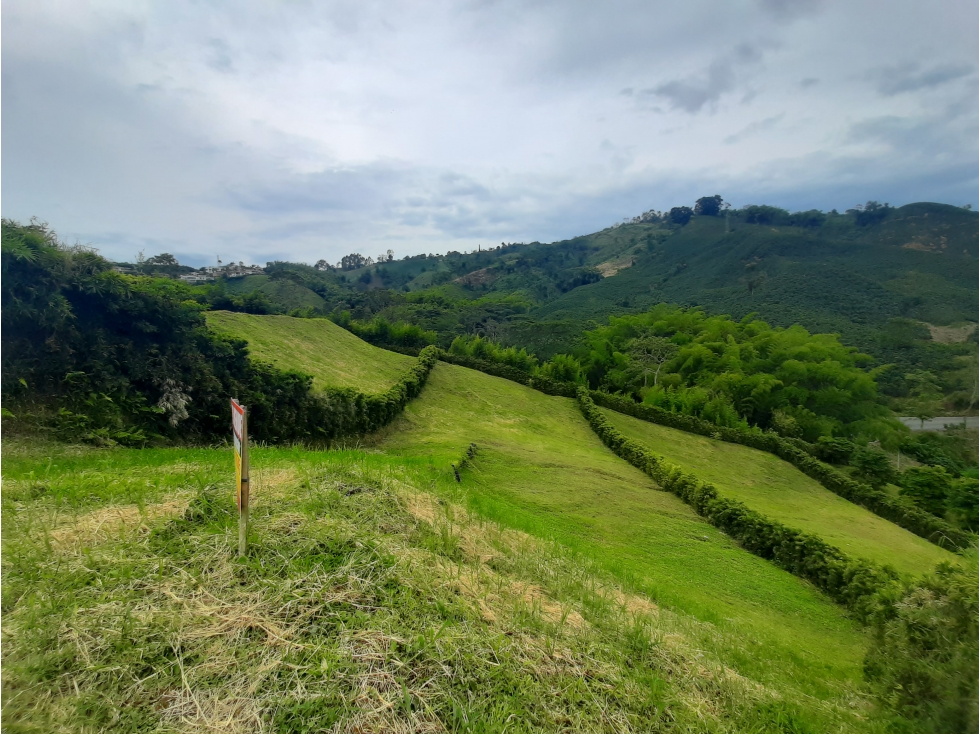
{"type": "Point", "coordinates": [305, 130]}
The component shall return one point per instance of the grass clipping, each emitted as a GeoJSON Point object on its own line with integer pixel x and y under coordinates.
{"type": "Point", "coordinates": [363, 606]}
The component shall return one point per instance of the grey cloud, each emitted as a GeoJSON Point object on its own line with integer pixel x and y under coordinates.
{"type": "Point", "coordinates": [219, 55]}
{"type": "Point", "coordinates": [788, 10]}
{"type": "Point", "coordinates": [809, 81]}
{"type": "Point", "coordinates": [754, 128]}
{"type": "Point", "coordinates": [692, 93]}
{"type": "Point", "coordinates": [910, 77]}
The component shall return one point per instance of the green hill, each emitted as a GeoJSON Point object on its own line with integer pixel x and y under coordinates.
{"type": "Point", "coordinates": [333, 356]}
{"type": "Point", "coordinates": [539, 469]}
{"type": "Point", "coordinates": [780, 491]}
{"type": "Point", "coordinates": [482, 562]}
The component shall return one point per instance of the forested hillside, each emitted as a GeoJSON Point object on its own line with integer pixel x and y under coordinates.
{"type": "Point", "coordinates": [900, 284]}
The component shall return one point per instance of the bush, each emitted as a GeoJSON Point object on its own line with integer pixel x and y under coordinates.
{"type": "Point", "coordinates": [484, 349]}
{"type": "Point", "coordinates": [963, 503]}
{"type": "Point", "coordinates": [834, 450]}
{"type": "Point", "coordinates": [872, 465]}
{"type": "Point", "coordinates": [923, 663]}
{"type": "Point", "coordinates": [928, 487]}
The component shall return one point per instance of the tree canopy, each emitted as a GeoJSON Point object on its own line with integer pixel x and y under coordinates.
{"type": "Point", "coordinates": [739, 371]}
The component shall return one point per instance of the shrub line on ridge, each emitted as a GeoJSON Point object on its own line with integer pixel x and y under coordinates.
{"type": "Point", "coordinates": [854, 583]}
{"type": "Point", "coordinates": [902, 514]}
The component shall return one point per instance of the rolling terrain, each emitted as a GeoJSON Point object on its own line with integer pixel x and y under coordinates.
{"type": "Point", "coordinates": [483, 563]}
{"type": "Point", "coordinates": [539, 469]}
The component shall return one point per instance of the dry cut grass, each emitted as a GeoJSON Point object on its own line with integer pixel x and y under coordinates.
{"type": "Point", "coordinates": [365, 605]}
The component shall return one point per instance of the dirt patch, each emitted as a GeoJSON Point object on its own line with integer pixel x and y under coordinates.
{"type": "Point", "coordinates": [610, 267]}
{"type": "Point", "coordinates": [936, 248]}
{"type": "Point", "coordinates": [108, 522]}
{"type": "Point", "coordinates": [477, 277]}
{"type": "Point", "coordinates": [951, 334]}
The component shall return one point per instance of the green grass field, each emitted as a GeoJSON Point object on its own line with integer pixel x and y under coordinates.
{"type": "Point", "coordinates": [778, 490]}
{"type": "Point", "coordinates": [318, 347]}
{"type": "Point", "coordinates": [554, 588]}
{"type": "Point", "coordinates": [364, 604]}
{"type": "Point", "coordinates": [540, 469]}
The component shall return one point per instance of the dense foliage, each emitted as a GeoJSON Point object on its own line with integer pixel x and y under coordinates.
{"type": "Point", "coordinates": [924, 659]}
{"type": "Point", "coordinates": [739, 372]}
{"type": "Point", "coordinates": [104, 357]}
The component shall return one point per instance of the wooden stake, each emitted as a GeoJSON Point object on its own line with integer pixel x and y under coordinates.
{"type": "Point", "coordinates": [244, 489]}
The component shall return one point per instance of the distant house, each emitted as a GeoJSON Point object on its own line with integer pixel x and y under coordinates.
{"type": "Point", "coordinates": [124, 269]}
{"type": "Point", "coordinates": [232, 270]}
{"type": "Point", "coordinates": [195, 278]}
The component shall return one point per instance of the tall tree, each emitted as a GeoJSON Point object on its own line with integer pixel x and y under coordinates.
{"type": "Point", "coordinates": [708, 206]}
{"type": "Point", "coordinates": [651, 353]}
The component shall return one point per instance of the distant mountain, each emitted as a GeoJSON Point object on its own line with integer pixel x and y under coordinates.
{"type": "Point", "coordinates": [887, 279]}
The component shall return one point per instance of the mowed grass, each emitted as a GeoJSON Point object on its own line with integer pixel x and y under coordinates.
{"type": "Point", "coordinates": [542, 470]}
{"type": "Point", "coordinates": [364, 604]}
{"type": "Point", "coordinates": [318, 347]}
{"type": "Point", "coordinates": [778, 490]}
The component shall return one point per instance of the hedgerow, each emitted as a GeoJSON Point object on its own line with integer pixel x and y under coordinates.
{"type": "Point", "coordinates": [901, 513]}
{"type": "Point", "coordinates": [346, 411]}
{"type": "Point", "coordinates": [795, 451]}
{"type": "Point", "coordinates": [854, 583]}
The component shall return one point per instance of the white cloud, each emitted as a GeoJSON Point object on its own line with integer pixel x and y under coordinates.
{"type": "Point", "coordinates": [307, 130]}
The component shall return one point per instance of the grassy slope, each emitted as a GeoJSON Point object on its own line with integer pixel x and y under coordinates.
{"type": "Point", "coordinates": [541, 469]}
{"type": "Point", "coordinates": [333, 356]}
{"type": "Point", "coordinates": [364, 605]}
{"type": "Point", "coordinates": [283, 293]}
{"type": "Point", "coordinates": [779, 490]}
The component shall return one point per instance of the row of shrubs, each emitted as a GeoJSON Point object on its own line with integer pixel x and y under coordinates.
{"type": "Point", "coordinates": [346, 411]}
{"type": "Point", "coordinates": [853, 583]}
{"type": "Point", "coordinates": [900, 512]}
{"type": "Point", "coordinates": [798, 453]}
{"type": "Point", "coordinates": [539, 382]}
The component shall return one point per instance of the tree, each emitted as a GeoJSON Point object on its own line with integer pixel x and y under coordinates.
{"type": "Point", "coordinates": [708, 206]}
{"type": "Point", "coordinates": [871, 213]}
{"type": "Point", "coordinates": [323, 265]}
{"type": "Point", "coordinates": [928, 487]}
{"type": "Point", "coordinates": [652, 352]}
{"type": "Point", "coordinates": [926, 396]}
{"type": "Point", "coordinates": [681, 215]}
{"type": "Point", "coordinates": [963, 503]}
{"type": "Point", "coordinates": [872, 466]}
{"type": "Point", "coordinates": [162, 259]}
{"type": "Point", "coordinates": [352, 261]}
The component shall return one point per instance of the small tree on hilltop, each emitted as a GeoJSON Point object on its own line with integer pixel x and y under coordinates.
{"type": "Point", "coordinates": [681, 215]}
{"type": "Point", "coordinates": [708, 206]}
{"type": "Point", "coordinates": [651, 353]}
{"type": "Point", "coordinates": [163, 259]}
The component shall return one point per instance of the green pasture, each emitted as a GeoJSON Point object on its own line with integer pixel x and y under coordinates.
{"type": "Point", "coordinates": [318, 347]}
{"type": "Point", "coordinates": [778, 490]}
{"type": "Point", "coordinates": [363, 603]}
{"type": "Point", "coordinates": [539, 468]}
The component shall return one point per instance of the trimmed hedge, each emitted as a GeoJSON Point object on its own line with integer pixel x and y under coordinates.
{"type": "Point", "coordinates": [901, 513]}
{"type": "Point", "coordinates": [851, 582]}
{"type": "Point", "coordinates": [290, 410]}
{"type": "Point", "coordinates": [796, 452]}
{"type": "Point", "coordinates": [349, 412]}
{"type": "Point", "coordinates": [543, 384]}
